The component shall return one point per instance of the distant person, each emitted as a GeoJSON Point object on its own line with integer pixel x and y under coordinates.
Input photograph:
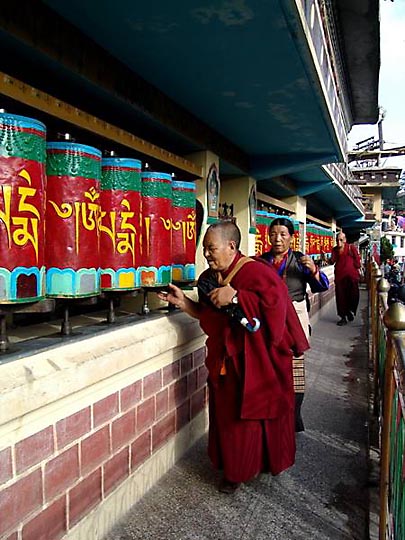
{"type": "Point", "coordinates": [298, 271]}
{"type": "Point", "coordinates": [251, 396]}
{"type": "Point", "coordinates": [387, 268]}
{"type": "Point", "coordinates": [346, 259]}
{"type": "Point", "coordinates": [323, 260]}
{"type": "Point", "coordinates": [395, 275]}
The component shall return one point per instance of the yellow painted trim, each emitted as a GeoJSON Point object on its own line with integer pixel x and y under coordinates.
{"type": "Point", "coordinates": [275, 202]}
{"type": "Point", "coordinates": [33, 97]}
{"type": "Point", "coordinates": [320, 221]}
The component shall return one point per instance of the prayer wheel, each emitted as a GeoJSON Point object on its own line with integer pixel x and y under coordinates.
{"type": "Point", "coordinates": [22, 209]}
{"type": "Point", "coordinates": [270, 216]}
{"type": "Point", "coordinates": [261, 241]}
{"type": "Point", "coordinates": [321, 240]}
{"type": "Point", "coordinates": [309, 240]}
{"type": "Point", "coordinates": [295, 243]}
{"type": "Point", "coordinates": [72, 251]}
{"type": "Point", "coordinates": [306, 250]}
{"type": "Point", "coordinates": [328, 241]}
{"type": "Point", "coordinates": [156, 269]}
{"type": "Point", "coordinates": [317, 240]}
{"type": "Point", "coordinates": [120, 224]}
{"type": "Point", "coordinates": [184, 231]}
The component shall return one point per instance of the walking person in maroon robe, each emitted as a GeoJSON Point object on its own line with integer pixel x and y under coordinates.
{"type": "Point", "coordinates": [251, 396]}
{"type": "Point", "coordinates": [347, 276]}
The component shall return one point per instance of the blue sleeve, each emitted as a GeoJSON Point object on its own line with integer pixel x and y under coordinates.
{"type": "Point", "coordinates": [318, 286]}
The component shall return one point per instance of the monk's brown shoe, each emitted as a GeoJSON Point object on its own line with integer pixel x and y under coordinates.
{"type": "Point", "coordinates": [228, 487]}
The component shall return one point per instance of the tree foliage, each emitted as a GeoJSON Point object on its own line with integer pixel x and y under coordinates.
{"type": "Point", "coordinates": [387, 249]}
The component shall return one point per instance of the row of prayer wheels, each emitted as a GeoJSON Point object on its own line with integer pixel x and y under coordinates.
{"type": "Point", "coordinates": [73, 224]}
{"type": "Point", "coordinates": [318, 239]}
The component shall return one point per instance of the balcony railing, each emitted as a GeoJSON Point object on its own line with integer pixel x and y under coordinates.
{"type": "Point", "coordinates": [321, 31]}
{"type": "Point", "coordinates": [342, 174]}
{"type": "Point", "coordinates": [388, 351]}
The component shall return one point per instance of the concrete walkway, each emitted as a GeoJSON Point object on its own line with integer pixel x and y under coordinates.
{"type": "Point", "coordinates": [324, 496]}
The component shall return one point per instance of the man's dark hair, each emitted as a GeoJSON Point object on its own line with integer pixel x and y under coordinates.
{"type": "Point", "coordinates": [284, 222]}
{"type": "Point", "coordinates": [228, 230]}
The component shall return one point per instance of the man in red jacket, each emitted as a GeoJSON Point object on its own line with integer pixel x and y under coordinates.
{"type": "Point", "coordinates": [347, 265]}
{"type": "Point", "coordinates": [251, 395]}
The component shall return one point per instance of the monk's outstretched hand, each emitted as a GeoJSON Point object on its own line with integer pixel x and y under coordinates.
{"type": "Point", "coordinates": [175, 296]}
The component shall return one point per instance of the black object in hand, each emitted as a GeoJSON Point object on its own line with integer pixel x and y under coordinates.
{"type": "Point", "coordinates": [208, 284]}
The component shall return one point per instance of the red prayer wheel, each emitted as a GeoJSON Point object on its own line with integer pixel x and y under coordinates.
{"type": "Point", "coordinates": [307, 240]}
{"type": "Point", "coordinates": [321, 240]}
{"type": "Point", "coordinates": [261, 240]}
{"type": "Point", "coordinates": [22, 209]}
{"type": "Point", "coordinates": [156, 269]}
{"type": "Point", "coordinates": [317, 240]}
{"type": "Point", "coordinates": [184, 231]}
{"type": "Point", "coordinates": [120, 224]}
{"type": "Point", "coordinates": [72, 216]}
{"type": "Point", "coordinates": [296, 238]}
{"type": "Point", "coordinates": [329, 242]}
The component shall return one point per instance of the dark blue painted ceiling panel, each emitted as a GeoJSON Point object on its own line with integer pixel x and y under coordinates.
{"type": "Point", "coordinates": [234, 64]}
{"type": "Point", "coordinates": [322, 192]}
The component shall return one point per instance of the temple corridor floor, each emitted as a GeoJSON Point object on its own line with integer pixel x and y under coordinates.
{"type": "Point", "coordinates": [324, 496]}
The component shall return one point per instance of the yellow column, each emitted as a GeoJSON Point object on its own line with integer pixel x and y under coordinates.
{"type": "Point", "coordinates": [237, 191]}
{"type": "Point", "coordinates": [375, 195]}
{"type": "Point", "coordinates": [299, 205]}
{"type": "Point", "coordinates": [205, 160]}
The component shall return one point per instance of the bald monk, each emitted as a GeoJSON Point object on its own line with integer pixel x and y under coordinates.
{"type": "Point", "coordinates": [347, 265]}
{"type": "Point", "coordinates": [251, 395]}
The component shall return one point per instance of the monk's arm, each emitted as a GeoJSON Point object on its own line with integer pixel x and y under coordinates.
{"type": "Point", "coordinates": [356, 257]}
{"type": "Point", "coordinates": [177, 297]}
{"type": "Point", "coordinates": [191, 308]}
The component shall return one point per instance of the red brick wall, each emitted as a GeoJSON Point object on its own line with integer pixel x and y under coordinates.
{"type": "Point", "coordinates": [50, 480]}
{"type": "Point", "coordinates": [318, 300]}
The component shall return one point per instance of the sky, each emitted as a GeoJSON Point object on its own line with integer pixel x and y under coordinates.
{"type": "Point", "coordinates": [392, 82]}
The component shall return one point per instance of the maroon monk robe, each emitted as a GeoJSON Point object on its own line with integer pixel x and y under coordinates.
{"type": "Point", "coordinates": [251, 407]}
{"type": "Point", "coordinates": [347, 264]}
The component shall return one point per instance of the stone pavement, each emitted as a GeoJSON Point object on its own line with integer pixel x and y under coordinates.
{"type": "Point", "coordinates": [325, 496]}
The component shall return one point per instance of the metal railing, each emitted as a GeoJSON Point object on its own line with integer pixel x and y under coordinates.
{"type": "Point", "coordinates": [321, 31]}
{"type": "Point", "coordinates": [388, 351]}
{"type": "Point", "coordinates": [342, 174]}
{"type": "Point", "coordinates": [321, 27]}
